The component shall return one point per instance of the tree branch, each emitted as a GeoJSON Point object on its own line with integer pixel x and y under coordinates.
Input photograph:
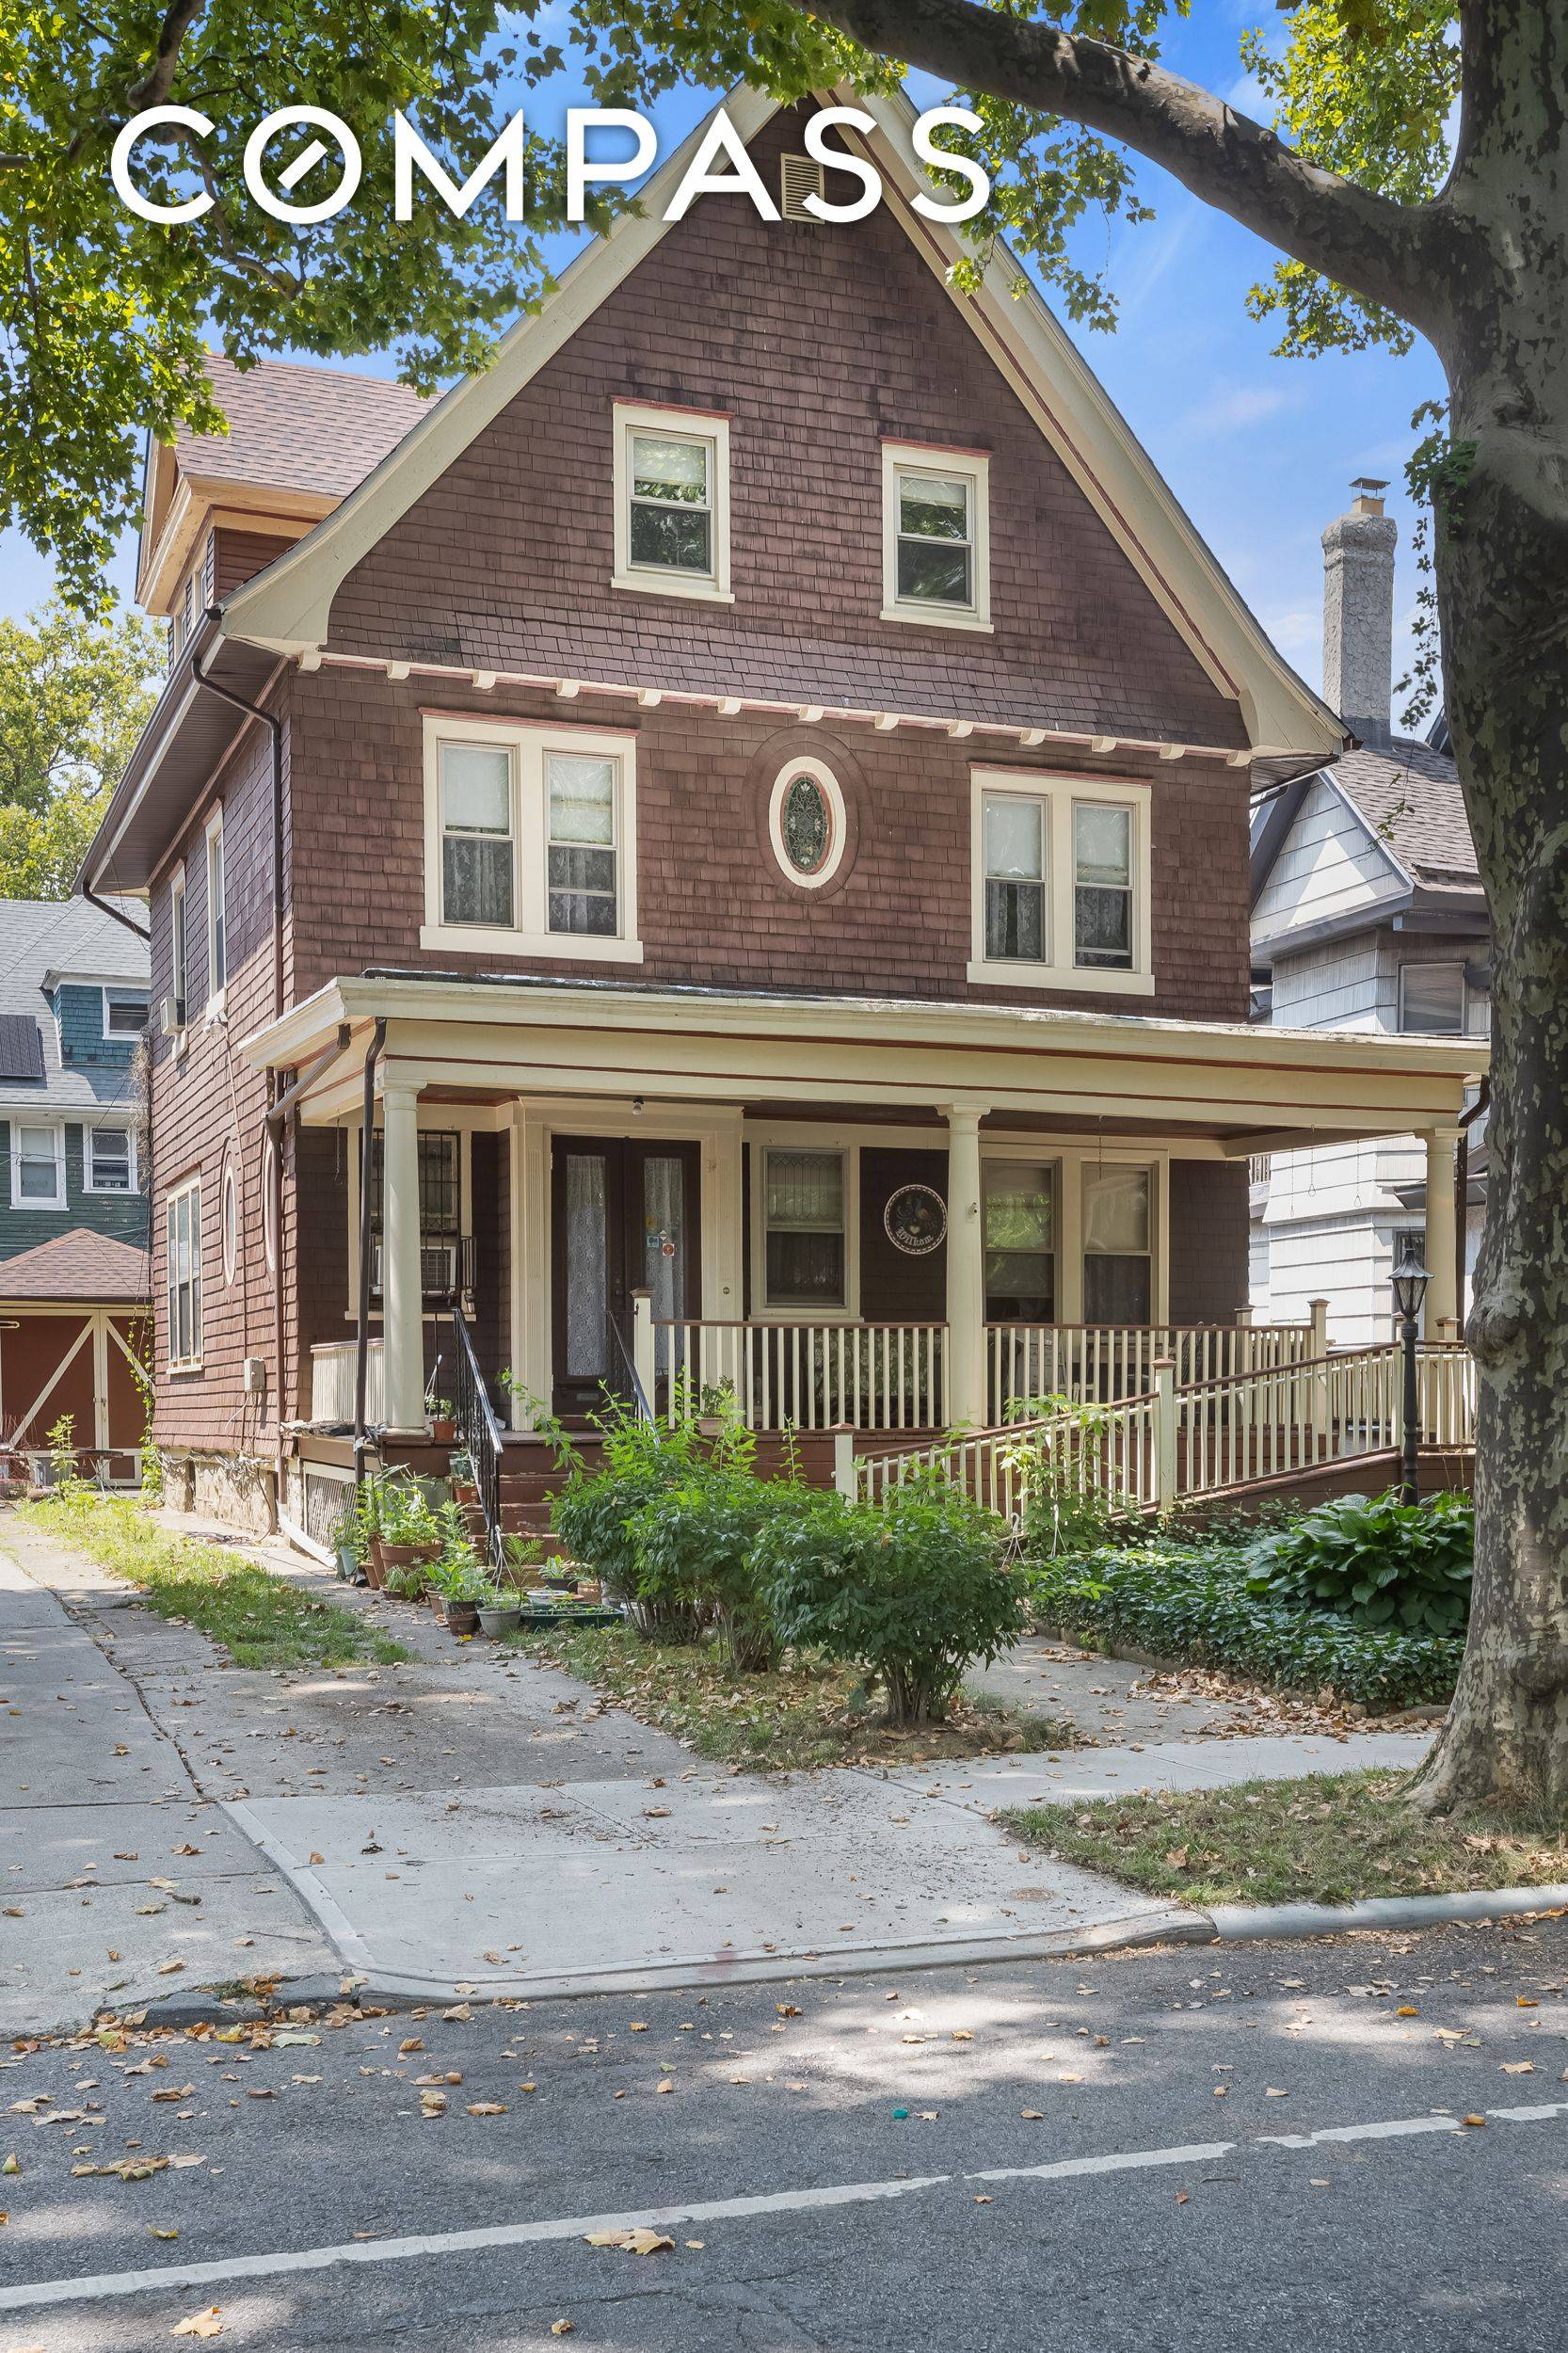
{"type": "Point", "coordinates": [1380, 250]}
{"type": "Point", "coordinates": [158, 81]}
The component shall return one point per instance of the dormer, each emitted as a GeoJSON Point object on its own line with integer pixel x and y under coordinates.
{"type": "Point", "coordinates": [216, 508]}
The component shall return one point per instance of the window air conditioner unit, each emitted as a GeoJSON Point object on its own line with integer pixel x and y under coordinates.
{"type": "Point", "coordinates": [438, 1269]}
{"type": "Point", "coordinates": [172, 1015]}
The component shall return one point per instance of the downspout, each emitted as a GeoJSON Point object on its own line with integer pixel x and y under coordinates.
{"type": "Point", "coordinates": [274, 725]}
{"type": "Point", "coordinates": [1462, 1188]}
{"type": "Point", "coordinates": [361, 1323]}
{"type": "Point", "coordinates": [104, 908]}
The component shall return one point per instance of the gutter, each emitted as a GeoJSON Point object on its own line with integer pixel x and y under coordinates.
{"type": "Point", "coordinates": [120, 917]}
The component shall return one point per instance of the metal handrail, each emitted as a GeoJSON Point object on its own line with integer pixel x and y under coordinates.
{"type": "Point", "coordinates": [640, 1397]}
{"type": "Point", "coordinates": [480, 1433]}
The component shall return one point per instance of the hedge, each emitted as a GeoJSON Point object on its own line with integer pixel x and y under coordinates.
{"type": "Point", "coordinates": [1194, 1605]}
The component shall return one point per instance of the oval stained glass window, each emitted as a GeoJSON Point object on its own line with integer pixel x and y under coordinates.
{"type": "Point", "coordinates": [805, 824]}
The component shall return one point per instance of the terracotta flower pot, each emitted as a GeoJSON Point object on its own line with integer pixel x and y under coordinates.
{"type": "Point", "coordinates": [463, 1494]}
{"type": "Point", "coordinates": [462, 1617]}
{"type": "Point", "coordinates": [437, 1599]}
{"type": "Point", "coordinates": [443, 1433]}
{"type": "Point", "coordinates": [375, 1571]}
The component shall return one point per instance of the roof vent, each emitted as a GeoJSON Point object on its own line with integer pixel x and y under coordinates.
{"type": "Point", "coordinates": [799, 176]}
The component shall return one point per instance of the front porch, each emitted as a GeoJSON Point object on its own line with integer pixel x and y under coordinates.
{"type": "Point", "coordinates": [904, 1218]}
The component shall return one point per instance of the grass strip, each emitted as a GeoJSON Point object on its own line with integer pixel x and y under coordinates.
{"type": "Point", "coordinates": [260, 1619]}
{"type": "Point", "coordinates": [1190, 1603]}
{"type": "Point", "coordinates": [810, 1713]}
{"type": "Point", "coordinates": [1329, 1838]}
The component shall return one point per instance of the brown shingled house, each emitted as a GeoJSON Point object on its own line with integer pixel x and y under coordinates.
{"type": "Point", "coordinates": [746, 804]}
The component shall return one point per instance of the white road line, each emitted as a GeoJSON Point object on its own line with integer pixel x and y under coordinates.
{"type": "Point", "coordinates": [1195, 2152]}
{"type": "Point", "coordinates": [168, 2279]}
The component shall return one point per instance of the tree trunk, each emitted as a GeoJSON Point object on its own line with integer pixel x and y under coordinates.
{"type": "Point", "coordinates": [1502, 560]}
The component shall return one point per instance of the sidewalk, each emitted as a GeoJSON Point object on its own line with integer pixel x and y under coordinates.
{"type": "Point", "coordinates": [118, 1883]}
{"type": "Point", "coordinates": [472, 1822]}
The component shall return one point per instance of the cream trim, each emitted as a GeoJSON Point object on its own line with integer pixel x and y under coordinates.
{"type": "Point", "coordinates": [972, 466]}
{"type": "Point", "coordinates": [821, 773]}
{"type": "Point", "coordinates": [1059, 796]}
{"type": "Point", "coordinates": [680, 425]}
{"type": "Point", "coordinates": [289, 606]}
{"type": "Point", "coordinates": [529, 744]}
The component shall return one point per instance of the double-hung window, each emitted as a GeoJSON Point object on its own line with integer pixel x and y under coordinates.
{"type": "Point", "coordinates": [1102, 885]}
{"type": "Point", "coordinates": [804, 1221]}
{"type": "Point", "coordinates": [37, 1166]}
{"type": "Point", "coordinates": [1014, 837]}
{"type": "Point", "coordinates": [671, 481]}
{"type": "Point", "coordinates": [183, 1242]}
{"type": "Point", "coordinates": [935, 530]}
{"type": "Point", "coordinates": [178, 946]}
{"type": "Point", "coordinates": [478, 827]}
{"type": "Point", "coordinates": [1060, 883]}
{"type": "Point", "coordinates": [1442, 1001]}
{"type": "Point", "coordinates": [124, 1012]}
{"type": "Point", "coordinates": [111, 1160]}
{"type": "Point", "coordinates": [1118, 1244]}
{"type": "Point", "coordinates": [217, 914]}
{"type": "Point", "coordinates": [530, 841]}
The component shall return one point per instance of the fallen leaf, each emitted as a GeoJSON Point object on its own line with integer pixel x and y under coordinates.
{"type": "Point", "coordinates": [207, 2323]}
{"type": "Point", "coordinates": [1474, 2120]}
{"type": "Point", "coordinates": [318, 1858]}
{"type": "Point", "coordinates": [167, 1968]}
{"type": "Point", "coordinates": [640, 2242]}
{"type": "Point", "coordinates": [12, 2164]}
{"type": "Point", "coordinates": [1181, 2197]}
{"type": "Point", "coordinates": [1407, 2010]}
{"type": "Point", "coordinates": [961, 2034]}
{"type": "Point", "coordinates": [665, 2086]}
{"type": "Point", "coordinates": [1273, 2094]}
{"type": "Point", "coordinates": [486, 2107]}
{"type": "Point", "coordinates": [562, 2327]}
{"type": "Point", "coordinates": [983, 2201]}
{"type": "Point", "coordinates": [698, 2243]}
{"type": "Point", "coordinates": [1032, 2116]}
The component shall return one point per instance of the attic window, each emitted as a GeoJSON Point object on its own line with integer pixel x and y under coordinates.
{"type": "Point", "coordinates": [799, 176]}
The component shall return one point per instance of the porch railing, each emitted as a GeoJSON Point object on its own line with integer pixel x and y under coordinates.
{"type": "Point", "coordinates": [813, 1376]}
{"type": "Point", "coordinates": [1209, 1437]}
{"type": "Point", "coordinates": [1103, 1362]}
{"type": "Point", "coordinates": [332, 1383]}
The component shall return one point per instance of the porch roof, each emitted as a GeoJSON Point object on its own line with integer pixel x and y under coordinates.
{"type": "Point", "coordinates": [1242, 1088]}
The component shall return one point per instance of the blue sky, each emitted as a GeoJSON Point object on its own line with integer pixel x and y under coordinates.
{"type": "Point", "coordinates": [1261, 451]}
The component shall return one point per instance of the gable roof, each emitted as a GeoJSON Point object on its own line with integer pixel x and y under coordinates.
{"type": "Point", "coordinates": [298, 428]}
{"type": "Point", "coordinates": [1406, 803]}
{"type": "Point", "coordinates": [54, 940]}
{"type": "Point", "coordinates": [1410, 797]}
{"type": "Point", "coordinates": [78, 1264]}
{"type": "Point", "coordinates": [287, 607]}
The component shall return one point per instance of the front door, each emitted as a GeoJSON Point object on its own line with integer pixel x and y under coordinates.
{"type": "Point", "coordinates": [624, 1216]}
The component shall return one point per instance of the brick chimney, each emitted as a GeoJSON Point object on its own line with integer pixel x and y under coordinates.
{"type": "Point", "coordinates": [1358, 614]}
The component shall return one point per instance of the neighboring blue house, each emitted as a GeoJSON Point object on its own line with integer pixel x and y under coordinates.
{"type": "Point", "coordinates": [73, 1005]}
{"type": "Point", "coordinates": [73, 1260]}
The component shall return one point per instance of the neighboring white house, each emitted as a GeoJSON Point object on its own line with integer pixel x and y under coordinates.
{"type": "Point", "coordinates": [1368, 914]}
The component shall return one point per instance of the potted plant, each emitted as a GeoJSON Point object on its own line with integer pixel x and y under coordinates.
{"type": "Point", "coordinates": [458, 1572]}
{"type": "Point", "coordinates": [499, 1611]}
{"type": "Point", "coordinates": [465, 1487]}
{"type": "Point", "coordinates": [410, 1531]}
{"type": "Point", "coordinates": [444, 1422]}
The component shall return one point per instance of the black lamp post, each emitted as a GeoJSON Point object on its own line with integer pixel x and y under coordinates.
{"type": "Point", "coordinates": [1410, 1290]}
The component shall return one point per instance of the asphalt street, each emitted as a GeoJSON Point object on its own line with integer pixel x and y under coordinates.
{"type": "Point", "coordinates": [1224, 2148]}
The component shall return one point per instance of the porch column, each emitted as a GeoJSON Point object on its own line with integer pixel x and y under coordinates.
{"type": "Point", "coordinates": [402, 1323]}
{"type": "Point", "coordinates": [1442, 1245]}
{"type": "Point", "coordinates": [966, 1300]}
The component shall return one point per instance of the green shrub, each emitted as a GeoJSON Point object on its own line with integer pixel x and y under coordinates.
{"type": "Point", "coordinates": [1182, 1603]}
{"type": "Point", "coordinates": [696, 1544]}
{"type": "Point", "coordinates": [912, 1589]}
{"type": "Point", "coordinates": [1377, 1561]}
{"type": "Point", "coordinates": [595, 1516]}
